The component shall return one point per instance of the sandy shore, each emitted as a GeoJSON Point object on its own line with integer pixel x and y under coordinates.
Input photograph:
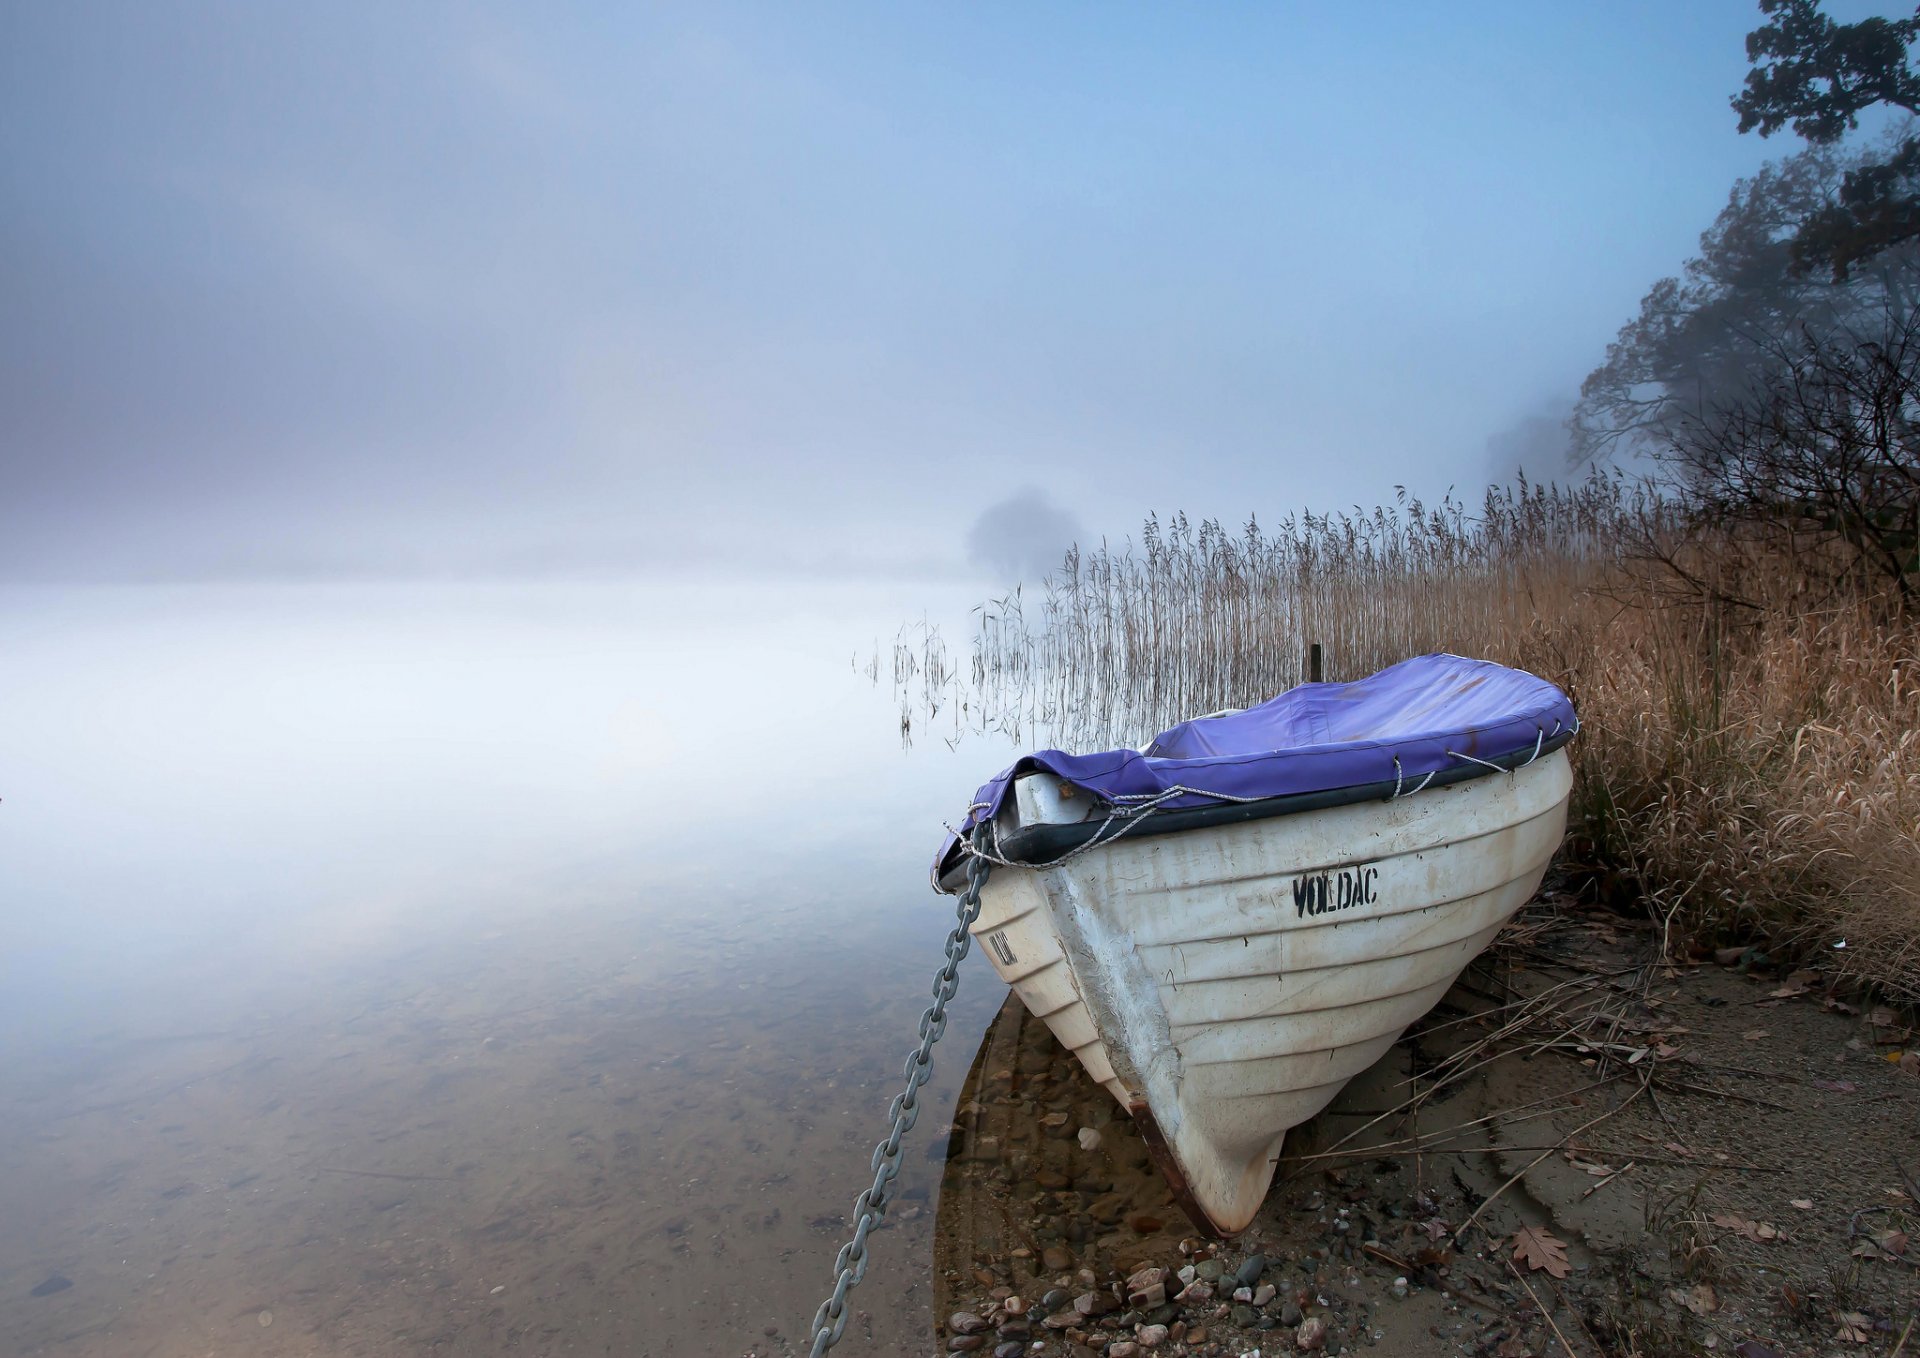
{"type": "Point", "coordinates": [1724, 1154]}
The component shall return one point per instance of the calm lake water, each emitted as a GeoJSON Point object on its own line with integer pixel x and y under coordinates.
{"type": "Point", "coordinates": [467, 969]}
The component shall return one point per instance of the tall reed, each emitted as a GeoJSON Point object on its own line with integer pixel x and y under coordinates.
{"type": "Point", "coordinates": [1749, 763]}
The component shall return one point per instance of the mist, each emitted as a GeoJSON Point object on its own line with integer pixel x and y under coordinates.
{"type": "Point", "coordinates": [712, 291]}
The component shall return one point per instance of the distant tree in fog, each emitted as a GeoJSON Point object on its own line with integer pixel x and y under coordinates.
{"type": "Point", "coordinates": [1820, 249]}
{"type": "Point", "coordinates": [1778, 376]}
{"type": "Point", "coordinates": [1818, 77]}
{"type": "Point", "coordinates": [1022, 537]}
{"type": "Point", "coordinates": [1726, 327]}
{"type": "Point", "coordinates": [1529, 444]}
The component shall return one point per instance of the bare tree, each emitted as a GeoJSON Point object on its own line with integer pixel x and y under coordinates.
{"type": "Point", "coordinates": [1713, 335]}
{"type": "Point", "coordinates": [1823, 461]}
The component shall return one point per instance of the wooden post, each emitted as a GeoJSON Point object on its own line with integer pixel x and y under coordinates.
{"type": "Point", "coordinates": [1313, 663]}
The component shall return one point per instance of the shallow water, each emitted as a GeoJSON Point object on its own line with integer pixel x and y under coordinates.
{"type": "Point", "coordinates": [473, 969]}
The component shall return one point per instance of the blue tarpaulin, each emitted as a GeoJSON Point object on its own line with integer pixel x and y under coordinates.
{"type": "Point", "coordinates": [1431, 714]}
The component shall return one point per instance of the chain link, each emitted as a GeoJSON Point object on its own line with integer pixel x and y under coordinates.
{"type": "Point", "coordinates": [850, 1265]}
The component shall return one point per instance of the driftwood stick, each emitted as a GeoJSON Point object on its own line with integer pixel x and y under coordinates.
{"type": "Point", "coordinates": [1609, 1179]}
{"type": "Point", "coordinates": [1545, 1314]}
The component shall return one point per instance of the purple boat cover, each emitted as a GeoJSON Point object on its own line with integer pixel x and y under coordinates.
{"type": "Point", "coordinates": [1426, 713]}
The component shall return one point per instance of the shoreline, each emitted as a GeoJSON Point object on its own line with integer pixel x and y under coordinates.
{"type": "Point", "coordinates": [1717, 1150]}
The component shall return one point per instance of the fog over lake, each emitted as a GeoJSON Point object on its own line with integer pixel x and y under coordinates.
{"type": "Point", "coordinates": [453, 894]}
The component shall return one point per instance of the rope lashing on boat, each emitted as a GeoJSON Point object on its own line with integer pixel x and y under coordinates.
{"type": "Point", "coordinates": [1131, 809]}
{"type": "Point", "coordinates": [850, 1264]}
{"type": "Point", "coordinates": [1127, 817]}
{"type": "Point", "coordinates": [1539, 743]}
{"type": "Point", "coordinates": [1399, 777]}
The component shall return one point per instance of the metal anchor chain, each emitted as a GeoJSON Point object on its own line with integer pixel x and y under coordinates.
{"type": "Point", "coordinates": [850, 1264]}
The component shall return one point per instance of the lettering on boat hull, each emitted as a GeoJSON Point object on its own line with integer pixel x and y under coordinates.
{"type": "Point", "coordinates": [1324, 893]}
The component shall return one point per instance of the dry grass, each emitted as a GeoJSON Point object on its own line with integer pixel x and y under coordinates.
{"type": "Point", "coordinates": [1750, 761]}
{"type": "Point", "coordinates": [1762, 783]}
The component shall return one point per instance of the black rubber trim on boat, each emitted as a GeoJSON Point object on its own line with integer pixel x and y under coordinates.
{"type": "Point", "coordinates": [1041, 844]}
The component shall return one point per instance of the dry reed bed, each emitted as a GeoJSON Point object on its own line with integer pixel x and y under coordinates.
{"type": "Point", "coordinates": [1751, 770]}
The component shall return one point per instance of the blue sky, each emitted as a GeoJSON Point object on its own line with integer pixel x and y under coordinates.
{"type": "Point", "coordinates": [728, 288]}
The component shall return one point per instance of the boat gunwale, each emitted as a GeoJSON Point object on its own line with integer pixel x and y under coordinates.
{"type": "Point", "coordinates": [1041, 846]}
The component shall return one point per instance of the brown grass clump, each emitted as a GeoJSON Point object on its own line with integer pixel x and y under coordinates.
{"type": "Point", "coordinates": [1750, 756]}
{"type": "Point", "coordinates": [1761, 781]}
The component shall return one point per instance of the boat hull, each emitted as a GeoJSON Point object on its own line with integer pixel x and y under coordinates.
{"type": "Point", "coordinates": [1224, 983]}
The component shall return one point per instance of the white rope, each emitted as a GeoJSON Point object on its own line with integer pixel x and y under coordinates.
{"type": "Point", "coordinates": [1128, 818]}
{"type": "Point", "coordinates": [1177, 789]}
{"type": "Point", "coordinates": [1484, 763]}
{"type": "Point", "coordinates": [1399, 777]}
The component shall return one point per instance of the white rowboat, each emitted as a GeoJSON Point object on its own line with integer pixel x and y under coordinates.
{"type": "Point", "coordinates": [1225, 977]}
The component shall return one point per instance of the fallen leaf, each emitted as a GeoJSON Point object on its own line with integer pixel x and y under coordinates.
{"type": "Point", "coordinates": [1881, 1017]}
{"type": "Point", "coordinates": [1699, 1299]}
{"type": "Point", "coordinates": [1804, 1204]}
{"type": "Point", "coordinates": [1836, 1086]}
{"type": "Point", "coordinates": [1538, 1249]}
{"type": "Point", "coordinates": [1910, 1063]}
{"type": "Point", "coordinates": [1754, 1035]}
{"type": "Point", "coordinates": [1841, 1007]}
{"type": "Point", "coordinates": [1593, 1167]}
{"type": "Point", "coordinates": [1435, 1228]}
{"type": "Point", "coordinates": [1513, 1346]}
{"type": "Point", "coordinates": [1893, 1242]}
{"type": "Point", "coordinates": [1753, 1348]}
{"type": "Point", "coordinates": [1854, 1327]}
{"type": "Point", "coordinates": [1752, 1230]}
